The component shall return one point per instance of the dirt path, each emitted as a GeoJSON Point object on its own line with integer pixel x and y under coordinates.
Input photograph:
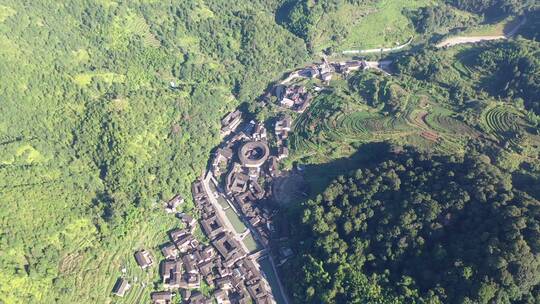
{"type": "Point", "coordinates": [462, 40]}
{"type": "Point", "coordinates": [474, 39]}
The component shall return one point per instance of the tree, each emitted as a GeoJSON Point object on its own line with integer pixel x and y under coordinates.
{"type": "Point", "coordinates": [426, 225]}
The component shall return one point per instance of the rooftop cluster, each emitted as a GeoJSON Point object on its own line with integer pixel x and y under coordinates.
{"type": "Point", "coordinates": [294, 97]}
{"type": "Point", "coordinates": [250, 162]}
{"type": "Point", "coordinates": [231, 270]}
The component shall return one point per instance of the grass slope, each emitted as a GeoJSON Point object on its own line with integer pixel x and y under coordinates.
{"type": "Point", "coordinates": [92, 137]}
{"type": "Point", "coordinates": [339, 121]}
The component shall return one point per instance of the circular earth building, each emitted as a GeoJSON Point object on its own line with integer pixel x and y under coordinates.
{"type": "Point", "coordinates": [253, 154]}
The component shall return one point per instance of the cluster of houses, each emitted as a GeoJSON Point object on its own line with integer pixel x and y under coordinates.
{"type": "Point", "coordinates": [349, 66]}
{"type": "Point", "coordinates": [297, 98]}
{"type": "Point", "coordinates": [226, 266]}
{"type": "Point", "coordinates": [230, 122]}
{"type": "Point", "coordinates": [282, 129]}
{"type": "Point", "coordinates": [231, 271]}
{"type": "Point", "coordinates": [294, 97]}
{"type": "Point", "coordinates": [172, 205]}
{"type": "Point", "coordinates": [325, 70]}
{"type": "Point", "coordinates": [249, 162]}
{"type": "Point", "coordinates": [224, 155]}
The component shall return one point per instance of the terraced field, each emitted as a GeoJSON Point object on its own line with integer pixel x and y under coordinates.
{"type": "Point", "coordinates": [140, 27]}
{"type": "Point", "coordinates": [320, 126]}
{"type": "Point", "coordinates": [432, 128]}
{"type": "Point", "coordinates": [500, 119]}
{"type": "Point", "coordinates": [463, 70]}
{"type": "Point", "coordinates": [511, 128]}
{"type": "Point", "coordinates": [129, 25]}
{"type": "Point", "coordinates": [447, 124]}
{"type": "Point", "coordinates": [118, 261]}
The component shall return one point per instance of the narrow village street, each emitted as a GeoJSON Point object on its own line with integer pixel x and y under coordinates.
{"type": "Point", "coordinates": [236, 205]}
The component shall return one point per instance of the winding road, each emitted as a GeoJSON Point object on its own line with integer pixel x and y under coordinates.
{"type": "Point", "coordinates": [448, 42]}
{"type": "Point", "coordinates": [379, 50]}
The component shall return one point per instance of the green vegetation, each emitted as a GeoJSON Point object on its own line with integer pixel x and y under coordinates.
{"type": "Point", "coordinates": [109, 108]}
{"type": "Point", "coordinates": [93, 137]}
{"type": "Point", "coordinates": [493, 29]}
{"type": "Point", "coordinates": [346, 24]}
{"type": "Point", "coordinates": [513, 70]}
{"type": "Point", "coordinates": [337, 25]}
{"type": "Point", "coordinates": [445, 100]}
{"type": "Point", "coordinates": [440, 19]}
{"type": "Point", "coordinates": [450, 218]}
{"type": "Point", "coordinates": [409, 227]}
{"type": "Point", "coordinates": [385, 25]}
{"type": "Point", "coordinates": [238, 225]}
{"type": "Point", "coordinates": [493, 8]}
{"type": "Point", "coordinates": [531, 29]}
{"type": "Point", "coordinates": [251, 244]}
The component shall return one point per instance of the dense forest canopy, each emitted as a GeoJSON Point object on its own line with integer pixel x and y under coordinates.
{"type": "Point", "coordinates": [493, 8]}
{"type": "Point", "coordinates": [414, 227]}
{"type": "Point", "coordinates": [514, 71]}
{"type": "Point", "coordinates": [440, 19]}
{"type": "Point", "coordinates": [454, 219]}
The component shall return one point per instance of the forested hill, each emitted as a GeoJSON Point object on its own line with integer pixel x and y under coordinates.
{"type": "Point", "coordinates": [93, 134]}
{"type": "Point", "coordinates": [108, 108]}
{"type": "Point", "coordinates": [417, 228]}
{"type": "Point", "coordinates": [342, 24]}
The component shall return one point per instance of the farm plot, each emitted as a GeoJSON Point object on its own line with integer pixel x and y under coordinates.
{"type": "Point", "coordinates": [438, 131]}
{"type": "Point", "coordinates": [499, 119]}
{"type": "Point", "coordinates": [511, 128]}
{"type": "Point", "coordinates": [323, 128]}
{"type": "Point", "coordinates": [446, 124]}
{"type": "Point", "coordinates": [327, 129]}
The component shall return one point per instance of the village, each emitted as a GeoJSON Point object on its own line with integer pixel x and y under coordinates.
{"type": "Point", "coordinates": [230, 199]}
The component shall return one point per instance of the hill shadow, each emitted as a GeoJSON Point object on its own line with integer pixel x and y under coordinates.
{"type": "Point", "coordinates": [511, 28]}
{"type": "Point", "coordinates": [319, 176]}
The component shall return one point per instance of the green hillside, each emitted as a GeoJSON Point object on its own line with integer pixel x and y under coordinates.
{"type": "Point", "coordinates": [93, 137]}
{"type": "Point", "coordinates": [109, 107]}
{"type": "Point", "coordinates": [420, 181]}
{"type": "Point", "coordinates": [410, 227]}
{"type": "Point", "coordinates": [338, 25]}
{"type": "Point", "coordinates": [446, 101]}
